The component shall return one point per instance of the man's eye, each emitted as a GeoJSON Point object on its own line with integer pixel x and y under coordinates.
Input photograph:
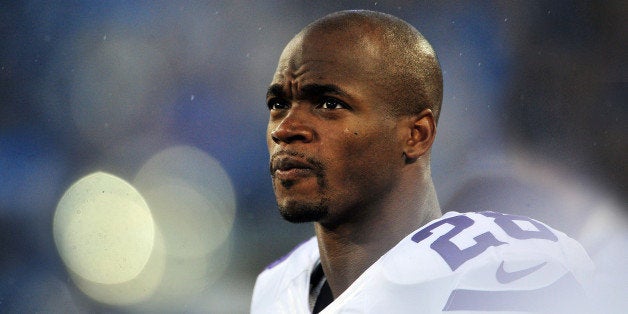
{"type": "Point", "coordinates": [276, 104]}
{"type": "Point", "coordinates": [332, 103]}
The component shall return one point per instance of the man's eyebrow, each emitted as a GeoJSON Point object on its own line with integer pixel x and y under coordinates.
{"type": "Point", "coordinates": [308, 91]}
{"type": "Point", "coordinates": [317, 90]}
{"type": "Point", "coordinates": [275, 90]}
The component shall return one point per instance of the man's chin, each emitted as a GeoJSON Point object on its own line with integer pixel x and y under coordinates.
{"type": "Point", "coordinates": [303, 212]}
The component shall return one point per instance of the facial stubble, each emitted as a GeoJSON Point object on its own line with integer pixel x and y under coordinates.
{"type": "Point", "coordinates": [302, 211]}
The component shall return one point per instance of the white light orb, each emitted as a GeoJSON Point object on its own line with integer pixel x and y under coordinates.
{"type": "Point", "coordinates": [103, 229]}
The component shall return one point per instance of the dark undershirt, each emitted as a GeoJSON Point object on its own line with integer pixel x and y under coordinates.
{"type": "Point", "coordinates": [320, 293]}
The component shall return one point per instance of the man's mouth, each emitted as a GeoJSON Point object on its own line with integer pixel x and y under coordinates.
{"type": "Point", "coordinates": [292, 166]}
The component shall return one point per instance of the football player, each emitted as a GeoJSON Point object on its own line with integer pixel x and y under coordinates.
{"type": "Point", "coordinates": [354, 105]}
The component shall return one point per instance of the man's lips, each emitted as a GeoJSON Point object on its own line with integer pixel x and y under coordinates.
{"type": "Point", "coordinates": [292, 167]}
{"type": "Point", "coordinates": [289, 168]}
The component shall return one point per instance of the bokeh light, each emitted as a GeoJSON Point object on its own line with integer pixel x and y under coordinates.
{"type": "Point", "coordinates": [191, 197]}
{"type": "Point", "coordinates": [103, 229]}
{"type": "Point", "coordinates": [151, 251]}
{"type": "Point", "coordinates": [135, 291]}
{"type": "Point", "coordinates": [193, 203]}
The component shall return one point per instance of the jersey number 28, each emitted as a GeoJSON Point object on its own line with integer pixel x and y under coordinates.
{"type": "Point", "coordinates": [455, 256]}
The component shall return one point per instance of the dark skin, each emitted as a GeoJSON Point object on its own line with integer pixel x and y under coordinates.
{"type": "Point", "coordinates": [340, 158]}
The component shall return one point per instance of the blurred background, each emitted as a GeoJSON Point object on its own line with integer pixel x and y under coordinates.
{"type": "Point", "coordinates": [133, 163]}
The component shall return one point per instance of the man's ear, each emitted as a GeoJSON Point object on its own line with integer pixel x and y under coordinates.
{"type": "Point", "coordinates": [422, 134]}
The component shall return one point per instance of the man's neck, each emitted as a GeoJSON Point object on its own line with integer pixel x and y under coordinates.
{"type": "Point", "coordinates": [350, 249]}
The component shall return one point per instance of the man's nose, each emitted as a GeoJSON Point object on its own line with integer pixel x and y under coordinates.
{"type": "Point", "coordinates": [293, 127]}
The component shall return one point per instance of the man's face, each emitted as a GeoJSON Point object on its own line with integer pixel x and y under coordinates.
{"type": "Point", "coordinates": [335, 153]}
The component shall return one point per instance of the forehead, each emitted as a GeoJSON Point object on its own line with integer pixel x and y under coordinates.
{"type": "Point", "coordinates": [344, 56]}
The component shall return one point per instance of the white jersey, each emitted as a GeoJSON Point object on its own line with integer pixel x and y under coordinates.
{"type": "Point", "coordinates": [461, 263]}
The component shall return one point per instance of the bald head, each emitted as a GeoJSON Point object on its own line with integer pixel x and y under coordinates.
{"type": "Point", "coordinates": [352, 110]}
{"type": "Point", "coordinates": [396, 56]}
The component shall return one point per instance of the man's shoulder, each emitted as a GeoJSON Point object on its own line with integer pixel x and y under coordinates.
{"type": "Point", "coordinates": [302, 252]}
{"type": "Point", "coordinates": [488, 261]}
{"type": "Point", "coordinates": [289, 273]}
{"type": "Point", "coordinates": [458, 242]}
{"type": "Point", "coordinates": [301, 258]}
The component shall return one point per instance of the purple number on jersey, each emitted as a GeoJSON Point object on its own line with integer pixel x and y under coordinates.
{"type": "Point", "coordinates": [455, 257]}
{"type": "Point", "coordinates": [506, 222]}
{"type": "Point", "coordinates": [450, 251]}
